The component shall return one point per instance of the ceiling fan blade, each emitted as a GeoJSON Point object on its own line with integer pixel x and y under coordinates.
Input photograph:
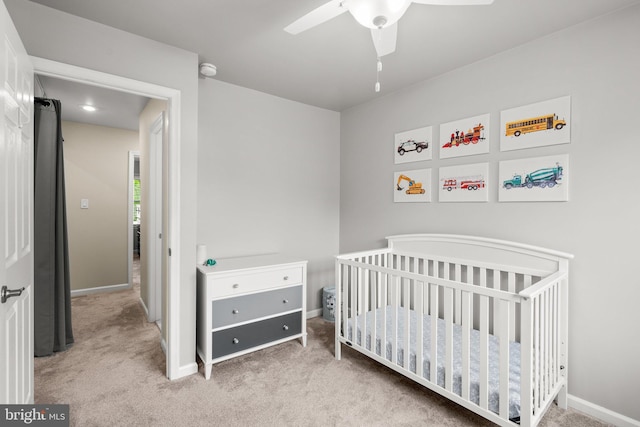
{"type": "Point", "coordinates": [454, 2]}
{"type": "Point", "coordinates": [384, 39]}
{"type": "Point", "coordinates": [317, 16]}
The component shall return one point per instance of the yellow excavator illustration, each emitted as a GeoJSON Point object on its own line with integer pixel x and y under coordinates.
{"type": "Point", "coordinates": [414, 187]}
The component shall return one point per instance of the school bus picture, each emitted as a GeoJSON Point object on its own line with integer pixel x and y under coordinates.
{"type": "Point", "coordinates": [534, 124]}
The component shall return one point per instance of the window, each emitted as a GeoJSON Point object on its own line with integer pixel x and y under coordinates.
{"type": "Point", "coordinates": [136, 201]}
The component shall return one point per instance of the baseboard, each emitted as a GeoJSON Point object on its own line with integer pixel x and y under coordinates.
{"type": "Point", "coordinates": [601, 413]}
{"type": "Point", "coordinates": [144, 308]}
{"type": "Point", "coordinates": [163, 346]}
{"type": "Point", "coordinates": [186, 370]}
{"type": "Point", "coordinates": [314, 313]}
{"type": "Point", "coordinates": [99, 290]}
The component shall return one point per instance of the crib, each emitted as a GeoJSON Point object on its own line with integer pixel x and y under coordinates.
{"type": "Point", "coordinates": [483, 322]}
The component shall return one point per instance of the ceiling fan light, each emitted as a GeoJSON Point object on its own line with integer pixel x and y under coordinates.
{"type": "Point", "coordinates": [377, 13]}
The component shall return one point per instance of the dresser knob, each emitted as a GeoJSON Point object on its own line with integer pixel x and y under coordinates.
{"type": "Point", "coordinates": [236, 340]}
{"type": "Point", "coordinates": [285, 301]}
{"type": "Point", "coordinates": [235, 311]}
{"type": "Point", "coordinates": [236, 286]}
{"type": "Point", "coordinates": [285, 327]}
{"type": "Point", "coordinates": [285, 278]}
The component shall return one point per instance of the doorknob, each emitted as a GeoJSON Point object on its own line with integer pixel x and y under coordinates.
{"type": "Point", "coordinates": [7, 293]}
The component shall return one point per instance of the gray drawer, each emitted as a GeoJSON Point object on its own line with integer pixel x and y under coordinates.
{"type": "Point", "coordinates": [233, 340]}
{"type": "Point", "coordinates": [240, 309]}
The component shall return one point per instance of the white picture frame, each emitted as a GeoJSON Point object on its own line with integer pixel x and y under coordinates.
{"type": "Point", "coordinates": [413, 145]}
{"type": "Point", "coordinates": [412, 186]}
{"type": "Point", "coordinates": [538, 179]}
{"type": "Point", "coordinates": [464, 183]}
{"type": "Point", "coordinates": [465, 137]}
{"type": "Point", "coordinates": [536, 125]}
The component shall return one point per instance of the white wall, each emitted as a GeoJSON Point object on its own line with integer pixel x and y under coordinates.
{"type": "Point", "coordinates": [58, 36]}
{"type": "Point", "coordinates": [268, 173]}
{"type": "Point", "coordinates": [597, 64]}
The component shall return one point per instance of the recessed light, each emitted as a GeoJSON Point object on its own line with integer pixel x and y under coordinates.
{"type": "Point", "coordinates": [89, 108]}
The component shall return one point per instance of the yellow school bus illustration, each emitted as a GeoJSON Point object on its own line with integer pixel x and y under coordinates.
{"type": "Point", "coordinates": [534, 124]}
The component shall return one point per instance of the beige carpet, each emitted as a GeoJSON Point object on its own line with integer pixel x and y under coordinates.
{"type": "Point", "coordinates": [114, 376]}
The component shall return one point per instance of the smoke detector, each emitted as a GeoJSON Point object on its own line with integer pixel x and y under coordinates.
{"type": "Point", "coordinates": [208, 70]}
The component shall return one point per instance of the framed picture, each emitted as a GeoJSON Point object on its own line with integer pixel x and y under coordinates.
{"type": "Point", "coordinates": [464, 183]}
{"type": "Point", "coordinates": [412, 186]}
{"type": "Point", "coordinates": [536, 125]}
{"type": "Point", "coordinates": [465, 137]}
{"type": "Point", "coordinates": [538, 179]}
{"type": "Point", "coordinates": [413, 145]}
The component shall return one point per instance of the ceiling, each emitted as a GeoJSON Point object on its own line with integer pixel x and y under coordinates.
{"type": "Point", "coordinates": [333, 65]}
{"type": "Point", "coordinates": [113, 108]}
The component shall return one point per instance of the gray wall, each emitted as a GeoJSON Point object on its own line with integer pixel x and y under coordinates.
{"type": "Point", "coordinates": [269, 179]}
{"type": "Point", "coordinates": [597, 64]}
{"type": "Point", "coordinates": [84, 43]}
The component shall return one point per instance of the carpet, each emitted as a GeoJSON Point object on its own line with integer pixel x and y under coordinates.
{"type": "Point", "coordinates": [114, 375]}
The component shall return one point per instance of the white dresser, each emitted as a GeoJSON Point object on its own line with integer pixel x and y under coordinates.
{"type": "Point", "coordinates": [249, 303]}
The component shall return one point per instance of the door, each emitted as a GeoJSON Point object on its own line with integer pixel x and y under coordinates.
{"type": "Point", "coordinates": [155, 206]}
{"type": "Point", "coordinates": [16, 217]}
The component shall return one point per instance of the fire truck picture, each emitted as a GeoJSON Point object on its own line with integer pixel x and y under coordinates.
{"type": "Point", "coordinates": [463, 184]}
{"type": "Point", "coordinates": [472, 136]}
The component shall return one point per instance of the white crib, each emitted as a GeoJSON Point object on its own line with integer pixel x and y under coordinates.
{"type": "Point", "coordinates": [497, 311]}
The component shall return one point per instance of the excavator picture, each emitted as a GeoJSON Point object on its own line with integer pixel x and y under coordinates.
{"type": "Point", "coordinates": [414, 187]}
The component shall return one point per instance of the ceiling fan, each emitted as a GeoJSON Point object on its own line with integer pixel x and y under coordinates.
{"type": "Point", "coordinates": [381, 16]}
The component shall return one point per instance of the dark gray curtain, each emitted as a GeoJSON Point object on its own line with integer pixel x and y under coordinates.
{"type": "Point", "coordinates": [52, 291]}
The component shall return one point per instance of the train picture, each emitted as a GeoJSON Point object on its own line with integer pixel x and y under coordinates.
{"type": "Point", "coordinates": [465, 137]}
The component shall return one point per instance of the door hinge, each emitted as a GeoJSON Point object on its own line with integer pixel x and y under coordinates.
{"type": "Point", "coordinates": [169, 251]}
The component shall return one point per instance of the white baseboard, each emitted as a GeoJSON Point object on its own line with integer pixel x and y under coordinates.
{"type": "Point", "coordinates": [601, 413]}
{"type": "Point", "coordinates": [99, 290]}
{"type": "Point", "coordinates": [163, 346]}
{"type": "Point", "coordinates": [186, 370]}
{"type": "Point", "coordinates": [314, 313]}
{"type": "Point", "coordinates": [144, 308]}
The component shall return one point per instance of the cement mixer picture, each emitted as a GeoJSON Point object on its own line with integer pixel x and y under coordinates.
{"type": "Point", "coordinates": [545, 177]}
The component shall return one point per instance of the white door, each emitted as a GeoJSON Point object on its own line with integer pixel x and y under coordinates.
{"type": "Point", "coordinates": [16, 217]}
{"type": "Point", "coordinates": [155, 258]}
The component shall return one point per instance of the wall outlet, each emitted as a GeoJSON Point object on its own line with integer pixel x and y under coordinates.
{"type": "Point", "coordinates": [84, 204]}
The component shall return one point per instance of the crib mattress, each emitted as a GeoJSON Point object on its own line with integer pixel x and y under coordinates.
{"type": "Point", "coordinates": [494, 357]}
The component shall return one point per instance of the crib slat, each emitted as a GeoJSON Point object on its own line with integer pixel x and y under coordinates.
{"type": "Point", "coordinates": [457, 299]}
{"type": "Point", "coordinates": [433, 370]}
{"type": "Point", "coordinates": [419, 308]}
{"type": "Point", "coordinates": [512, 288]}
{"type": "Point", "coordinates": [353, 299]}
{"type": "Point", "coordinates": [526, 361]}
{"type": "Point", "coordinates": [395, 302]}
{"type": "Point", "coordinates": [504, 333]}
{"type": "Point", "coordinates": [363, 283]}
{"type": "Point", "coordinates": [448, 318]}
{"type": "Point", "coordinates": [375, 290]}
{"type": "Point", "coordinates": [383, 300]}
{"type": "Point", "coordinates": [484, 343]}
{"type": "Point", "coordinates": [466, 342]}
{"type": "Point", "coordinates": [536, 353]}
{"type": "Point", "coordinates": [406, 306]}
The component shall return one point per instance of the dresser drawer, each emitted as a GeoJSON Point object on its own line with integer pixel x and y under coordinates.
{"type": "Point", "coordinates": [241, 309]}
{"type": "Point", "coordinates": [233, 340]}
{"type": "Point", "coordinates": [243, 283]}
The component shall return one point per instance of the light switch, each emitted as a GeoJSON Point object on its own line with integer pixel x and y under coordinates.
{"type": "Point", "coordinates": [84, 204]}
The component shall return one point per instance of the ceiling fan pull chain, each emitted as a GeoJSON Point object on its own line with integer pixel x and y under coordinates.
{"type": "Point", "coordinates": [378, 69]}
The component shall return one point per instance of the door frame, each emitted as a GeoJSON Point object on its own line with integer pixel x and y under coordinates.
{"type": "Point", "coordinates": [74, 73]}
{"type": "Point", "coordinates": [133, 155]}
{"type": "Point", "coordinates": [154, 243]}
